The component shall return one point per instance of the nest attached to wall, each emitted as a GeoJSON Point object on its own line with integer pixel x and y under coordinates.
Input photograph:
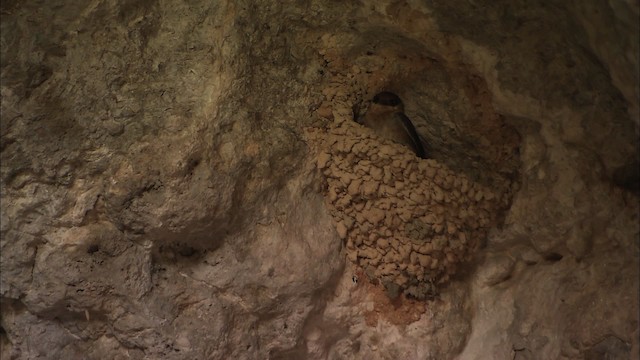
{"type": "Point", "coordinates": [409, 223]}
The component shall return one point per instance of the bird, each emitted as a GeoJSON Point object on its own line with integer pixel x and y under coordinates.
{"type": "Point", "coordinates": [386, 118]}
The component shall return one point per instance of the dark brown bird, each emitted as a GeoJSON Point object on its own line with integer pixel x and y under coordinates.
{"type": "Point", "coordinates": [386, 118]}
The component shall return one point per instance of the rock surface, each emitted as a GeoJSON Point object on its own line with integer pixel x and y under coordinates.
{"type": "Point", "coordinates": [161, 194]}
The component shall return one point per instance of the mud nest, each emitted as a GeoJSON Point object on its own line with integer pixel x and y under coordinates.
{"type": "Point", "coordinates": [409, 223]}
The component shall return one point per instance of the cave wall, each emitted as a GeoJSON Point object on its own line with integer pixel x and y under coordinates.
{"type": "Point", "coordinates": [161, 195]}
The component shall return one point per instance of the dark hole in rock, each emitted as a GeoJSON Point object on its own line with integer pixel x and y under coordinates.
{"type": "Point", "coordinates": [628, 177]}
{"type": "Point", "coordinates": [93, 248]}
{"type": "Point", "coordinates": [553, 257]}
{"type": "Point", "coordinates": [187, 251]}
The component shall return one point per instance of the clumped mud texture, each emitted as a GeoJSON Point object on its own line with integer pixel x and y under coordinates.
{"type": "Point", "coordinates": [409, 223]}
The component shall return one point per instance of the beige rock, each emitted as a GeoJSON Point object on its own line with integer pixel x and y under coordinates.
{"type": "Point", "coordinates": [350, 245]}
{"type": "Point", "coordinates": [341, 229]}
{"type": "Point", "coordinates": [462, 237]}
{"type": "Point", "coordinates": [332, 195]}
{"type": "Point", "coordinates": [413, 258]}
{"type": "Point", "coordinates": [426, 248]}
{"type": "Point", "coordinates": [343, 202]}
{"type": "Point", "coordinates": [374, 215]}
{"type": "Point", "coordinates": [376, 173]}
{"type": "Point", "coordinates": [429, 219]}
{"type": "Point", "coordinates": [424, 260]}
{"type": "Point", "coordinates": [464, 186]}
{"type": "Point", "coordinates": [478, 196]}
{"type": "Point", "coordinates": [348, 222]}
{"type": "Point", "coordinates": [455, 194]}
{"type": "Point", "coordinates": [471, 193]}
{"type": "Point", "coordinates": [352, 256]}
{"type": "Point", "coordinates": [438, 195]}
{"type": "Point", "coordinates": [404, 250]}
{"type": "Point", "coordinates": [384, 204]}
{"type": "Point", "coordinates": [451, 258]}
{"type": "Point", "coordinates": [323, 160]}
{"type": "Point", "coordinates": [386, 150]}
{"type": "Point", "coordinates": [451, 228]}
{"type": "Point", "coordinates": [434, 263]}
{"type": "Point", "coordinates": [404, 214]}
{"type": "Point", "coordinates": [496, 269]}
{"type": "Point", "coordinates": [430, 172]}
{"type": "Point", "coordinates": [417, 197]}
{"type": "Point", "coordinates": [388, 190]}
{"type": "Point", "coordinates": [383, 243]}
{"type": "Point", "coordinates": [388, 175]}
{"type": "Point", "coordinates": [354, 187]}
{"type": "Point", "coordinates": [395, 221]}
{"type": "Point", "coordinates": [402, 280]}
{"type": "Point", "coordinates": [370, 187]}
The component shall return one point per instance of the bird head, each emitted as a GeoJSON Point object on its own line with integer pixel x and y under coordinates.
{"type": "Point", "coordinates": [388, 101]}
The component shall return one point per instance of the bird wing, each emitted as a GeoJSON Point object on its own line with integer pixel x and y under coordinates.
{"type": "Point", "coordinates": [413, 134]}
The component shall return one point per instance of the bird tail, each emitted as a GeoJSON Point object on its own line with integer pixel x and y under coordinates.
{"type": "Point", "coordinates": [413, 134]}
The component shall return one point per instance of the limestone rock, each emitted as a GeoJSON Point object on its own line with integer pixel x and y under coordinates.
{"type": "Point", "coordinates": [173, 176]}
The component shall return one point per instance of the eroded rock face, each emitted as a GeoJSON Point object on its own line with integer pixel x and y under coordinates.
{"type": "Point", "coordinates": [161, 196]}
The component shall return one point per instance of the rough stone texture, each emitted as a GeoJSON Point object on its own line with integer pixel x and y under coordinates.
{"type": "Point", "coordinates": [161, 198]}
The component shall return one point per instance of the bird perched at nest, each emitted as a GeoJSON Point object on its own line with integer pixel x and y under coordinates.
{"type": "Point", "coordinates": [386, 118]}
